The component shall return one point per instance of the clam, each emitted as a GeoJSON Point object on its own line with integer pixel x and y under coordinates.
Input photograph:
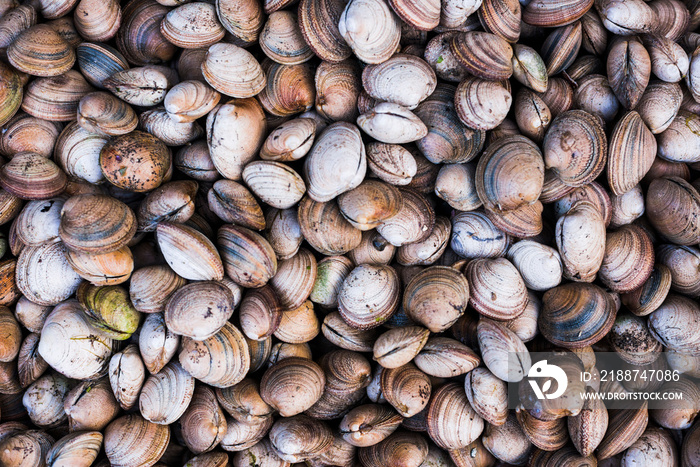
{"type": "Point", "coordinates": [227, 124]}
{"type": "Point", "coordinates": [192, 26]}
{"type": "Point", "coordinates": [367, 425]}
{"type": "Point", "coordinates": [248, 258]}
{"type": "Point", "coordinates": [497, 289]}
{"type": "Point", "coordinates": [44, 275]}
{"type": "Point", "coordinates": [14, 21]}
{"type": "Point", "coordinates": [30, 365]}
{"type": "Point", "coordinates": [151, 287]}
{"type": "Point", "coordinates": [90, 405]}
{"type": "Point", "coordinates": [595, 96]}
{"type": "Point", "coordinates": [392, 163]}
{"type": "Point", "coordinates": [369, 204]}
{"type": "Point", "coordinates": [347, 375]}
{"type": "Point", "coordinates": [189, 100]}
{"type": "Point", "coordinates": [406, 388]}
{"type": "Point", "coordinates": [241, 436]}
{"type": "Point", "coordinates": [294, 279]}
{"type": "Point", "coordinates": [298, 325]}
{"type": "Point", "coordinates": [529, 68]}
{"type": "Point", "coordinates": [193, 160]}
{"type": "Point", "coordinates": [588, 427]}
{"type": "Point", "coordinates": [532, 115]}
{"type": "Point", "coordinates": [10, 93]}
{"type": "Point", "coordinates": [626, 18]}
{"type": "Point", "coordinates": [292, 385]}
{"type": "Point", "coordinates": [78, 449]}
{"type": "Point", "coordinates": [628, 207]}
{"type": "Point", "coordinates": [502, 351]}
{"type": "Point", "coordinates": [77, 151]}
{"type": "Point", "coordinates": [299, 438]}
{"type": "Point", "coordinates": [679, 142]}
{"type": "Point", "coordinates": [166, 395]}
{"type": "Point", "coordinates": [368, 296]}
{"type": "Point", "coordinates": [576, 315]}
{"type": "Point", "coordinates": [668, 201]}
{"type": "Point", "coordinates": [400, 448]}
{"type": "Point", "coordinates": [371, 29]}
{"type": "Point", "coordinates": [136, 161]}
{"type": "Point", "coordinates": [417, 80]}
{"type": "Point", "coordinates": [487, 395]}
{"type": "Point", "coordinates": [673, 19]}
{"type": "Point", "coordinates": [552, 14]}
{"type": "Point", "coordinates": [26, 447]}
{"type": "Point", "coordinates": [524, 222]}
{"type": "Point", "coordinates": [104, 114]}
{"type": "Point", "coordinates": [260, 313]}
{"type": "Point", "coordinates": [508, 163]}
{"type": "Point", "coordinates": [242, 19]}
{"type": "Point", "coordinates": [580, 236]}
{"type": "Point", "coordinates": [629, 68]}
{"type": "Point", "coordinates": [671, 324]}
{"type": "Point", "coordinates": [99, 61]}
{"type": "Point", "coordinates": [284, 232]}
{"type": "Point", "coordinates": [109, 309]}
{"type": "Point", "coordinates": [654, 442]}
{"type": "Point", "coordinates": [539, 265]}
{"type": "Point", "coordinates": [44, 398]}
{"type": "Point", "coordinates": [233, 71]}
{"type": "Point", "coordinates": [475, 236]}
{"type": "Point", "coordinates": [429, 250]}
{"type": "Point", "coordinates": [628, 260]}
{"type": "Point", "coordinates": [55, 98]}
{"type": "Point", "coordinates": [97, 21]}
{"type": "Point", "coordinates": [337, 89]}
{"type": "Point", "coordinates": [651, 294]}
{"type": "Point", "coordinates": [642, 349]}
{"type": "Point", "coordinates": [443, 357]}
{"type": "Point", "coordinates": [624, 429]}
{"type": "Point", "coordinates": [40, 51]}
{"type": "Point", "coordinates": [171, 132]}
{"type": "Point", "coordinates": [659, 105]}
{"type": "Point", "coordinates": [290, 89]}
{"type": "Point", "coordinates": [501, 18]}
{"type": "Point", "coordinates": [681, 261]}
{"type": "Point", "coordinates": [31, 176]}
{"type": "Point", "coordinates": [440, 57]}
{"type": "Point", "coordinates": [126, 376]}
{"type": "Point", "coordinates": [277, 184]}
{"type": "Point", "coordinates": [558, 96]}
{"type": "Point", "coordinates": [561, 47]}
{"type": "Point", "coordinates": [143, 86]}
{"type": "Point", "coordinates": [31, 315]}
{"type": "Point", "coordinates": [398, 346]}
{"type": "Point", "coordinates": [199, 310]}
{"type": "Point", "coordinates": [575, 147]}
{"type": "Point", "coordinates": [413, 223]}
{"type": "Point", "coordinates": [456, 185]}
{"type": "Point", "coordinates": [139, 38]}
{"type": "Point", "coordinates": [337, 331]}
{"type": "Point", "coordinates": [482, 104]}
{"type": "Point", "coordinates": [290, 141]}
{"type": "Point", "coordinates": [71, 346]}
{"type": "Point", "coordinates": [452, 423]}
{"type": "Point", "coordinates": [131, 440]}
{"type": "Point", "coordinates": [25, 133]}
{"type": "Point", "coordinates": [455, 13]}
{"type": "Point", "coordinates": [436, 297]}
{"type": "Point", "coordinates": [336, 163]}
{"type": "Point", "coordinates": [243, 402]}
{"type": "Point", "coordinates": [282, 41]}
{"type": "Point", "coordinates": [203, 423]}
{"type": "Point", "coordinates": [484, 55]}
{"type": "Point", "coordinates": [157, 344]}
{"type": "Point", "coordinates": [189, 252]}
{"type": "Point", "coordinates": [318, 21]}
{"type": "Point", "coordinates": [391, 123]}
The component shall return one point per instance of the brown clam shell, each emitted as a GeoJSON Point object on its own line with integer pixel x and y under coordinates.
{"type": "Point", "coordinates": [483, 54]}
{"type": "Point", "coordinates": [40, 51]}
{"type": "Point", "coordinates": [628, 260]}
{"type": "Point", "coordinates": [554, 13]}
{"type": "Point", "coordinates": [136, 161]}
{"type": "Point", "coordinates": [629, 70]}
{"type": "Point", "coordinates": [139, 38]}
{"type": "Point", "coordinates": [31, 176]}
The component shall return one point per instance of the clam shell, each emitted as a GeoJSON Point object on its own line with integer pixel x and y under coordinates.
{"type": "Point", "coordinates": [371, 29]}
{"type": "Point", "coordinates": [392, 163]}
{"type": "Point", "coordinates": [626, 18]}
{"type": "Point", "coordinates": [593, 193]}
{"type": "Point", "coordinates": [508, 163]}
{"type": "Point", "coordinates": [43, 400]}
{"type": "Point", "coordinates": [455, 184]}
{"type": "Point", "coordinates": [78, 449]}
{"type": "Point", "coordinates": [669, 201]}
{"type": "Point", "coordinates": [157, 343]}
{"type": "Point", "coordinates": [424, 15]}
{"type": "Point", "coordinates": [277, 184]}
{"type": "Point", "coordinates": [26, 133]}
{"type": "Point", "coordinates": [455, 13]}
{"type": "Point", "coordinates": [368, 296]}
{"type": "Point", "coordinates": [436, 297]}
{"type": "Point", "coordinates": [550, 435]}
{"type": "Point", "coordinates": [679, 142]}
{"type": "Point", "coordinates": [233, 203]}
{"type": "Point", "coordinates": [336, 163]}
{"type": "Point", "coordinates": [77, 151]}
{"type": "Point", "coordinates": [233, 71]}
{"type": "Point", "coordinates": [242, 19]}
{"type": "Point", "coordinates": [290, 141]}
{"type": "Point", "coordinates": [502, 351]}
{"type": "Point", "coordinates": [659, 105]}
{"type": "Point", "coordinates": [30, 365]}
{"type": "Point", "coordinates": [298, 325]}
{"type": "Point", "coordinates": [98, 62]}
{"type": "Point", "coordinates": [126, 376]}
{"type": "Point", "coordinates": [318, 21]}
{"type": "Point", "coordinates": [171, 132]}
{"type": "Point", "coordinates": [482, 104]}
{"type": "Point", "coordinates": [136, 161]}
{"type": "Point", "coordinates": [39, 221]}
{"type": "Point", "coordinates": [484, 55]}
{"type": "Point", "coordinates": [284, 232]}
{"type": "Point", "coordinates": [452, 423]}
{"type": "Point", "coordinates": [228, 360]}
{"type": "Point", "coordinates": [190, 100]}
{"type": "Point", "coordinates": [501, 18]}
{"type": "Point", "coordinates": [192, 26]}
{"type": "Point", "coordinates": [280, 386]}
{"type": "Point", "coordinates": [576, 315]}
{"type": "Point", "coordinates": [44, 275]}
{"type": "Point", "coordinates": [561, 47]}
{"type": "Point", "coordinates": [71, 346]}
{"type": "Point", "coordinates": [398, 346]}
{"type": "Point", "coordinates": [103, 269]}
{"type": "Point", "coordinates": [580, 236]}
{"type": "Point", "coordinates": [580, 133]}
{"type": "Point", "coordinates": [539, 265]}
{"type": "Point", "coordinates": [139, 37]}
{"type": "Point", "coordinates": [442, 357]}
{"type": "Point", "coordinates": [588, 427]}
{"type": "Point", "coordinates": [671, 324]}
{"type": "Point", "coordinates": [104, 114]}
{"type": "Point", "coordinates": [260, 313]}
{"type": "Point", "coordinates": [282, 41]}
{"type": "Point", "coordinates": [199, 310]}
{"type": "Point", "coordinates": [294, 279]}
{"type": "Point", "coordinates": [143, 86]}
{"type": "Point", "coordinates": [194, 161]}
{"type": "Point", "coordinates": [338, 87]}
{"type": "Point", "coordinates": [532, 114]}
{"type": "Point", "coordinates": [203, 423]}
{"type": "Point", "coordinates": [447, 140]}
{"type": "Point", "coordinates": [632, 151]}
{"type": "Point", "coordinates": [371, 203]}
{"type": "Point", "coordinates": [96, 224]}
{"type": "Point", "coordinates": [497, 288]}
{"type": "Point", "coordinates": [289, 90]}
{"type": "Point", "coordinates": [337, 331]}
{"type": "Point", "coordinates": [413, 223]}
{"type": "Point", "coordinates": [551, 13]}
{"type": "Point", "coordinates": [429, 250]}
{"type": "Point", "coordinates": [10, 93]}
{"type": "Point", "coordinates": [151, 287]}
{"type": "Point", "coordinates": [248, 258]}
{"type": "Point", "coordinates": [131, 440]}
{"type": "Point", "coordinates": [189, 252]}
{"type": "Point", "coordinates": [55, 98]}
{"type": "Point", "coordinates": [166, 395]}
{"type": "Point", "coordinates": [40, 51]}
{"type": "Point", "coordinates": [31, 176]}
{"type": "Point", "coordinates": [558, 96]}
{"type": "Point", "coordinates": [300, 438]}
{"type": "Point", "coordinates": [400, 448]}
{"type": "Point", "coordinates": [628, 260]}
{"type": "Point", "coordinates": [97, 21]}
{"type": "Point", "coordinates": [629, 69]}
{"type": "Point", "coordinates": [406, 388]}
{"type": "Point", "coordinates": [367, 425]}
{"type": "Point", "coordinates": [417, 80]}
{"type": "Point", "coordinates": [90, 405]}
{"type": "Point", "coordinates": [27, 447]}
{"type": "Point", "coordinates": [243, 402]}
{"type": "Point", "coordinates": [14, 21]}
{"type": "Point", "coordinates": [488, 395]}
{"type": "Point", "coordinates": [230, 151]}
{"type": "Point", "coordinates": [390, 123]}
{"type": "Point", "coordinates": [650, 295]}
{"type": "Point", "coordinates": [475, 236]}
{"type": "Point", "coordinates": [624, 428]}
{"type": "Point", "coordinates": [325, 229]}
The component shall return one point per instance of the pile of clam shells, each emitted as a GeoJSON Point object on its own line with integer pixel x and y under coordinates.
{"type": "Point", "coordinates": [268, 233]}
